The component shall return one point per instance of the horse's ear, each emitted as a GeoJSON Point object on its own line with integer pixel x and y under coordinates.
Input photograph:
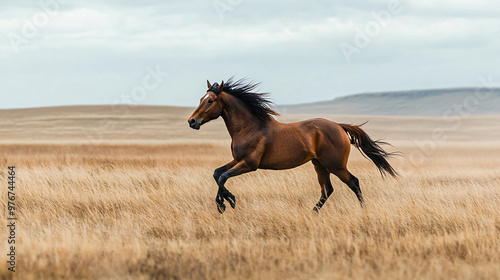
{"type": "Point", "coordinates": [208, 84]}
{"type": "Point", "coordinates": [221, 86]}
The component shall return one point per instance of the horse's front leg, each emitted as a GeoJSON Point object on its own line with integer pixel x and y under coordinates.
{"type": "Point", "coordinates": [238, 169]}
{"type": "Point", "coordinates": [224, 193]}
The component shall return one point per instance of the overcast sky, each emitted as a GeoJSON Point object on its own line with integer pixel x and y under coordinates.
{"type": "Point", "coordinates": [88, 52]}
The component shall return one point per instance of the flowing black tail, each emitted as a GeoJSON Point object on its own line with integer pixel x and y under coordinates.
{"type": "Point", "coordinates": [369, 148]}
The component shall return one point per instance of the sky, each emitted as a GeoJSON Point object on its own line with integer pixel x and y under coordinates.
{"type": "Point", "coordinates": [55, 52]}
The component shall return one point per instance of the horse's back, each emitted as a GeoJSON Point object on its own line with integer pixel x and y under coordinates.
{"type": "Point", "coordinates": [331, 130]}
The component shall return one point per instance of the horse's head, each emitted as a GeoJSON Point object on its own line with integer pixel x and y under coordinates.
{"type": "Point", "coordinates": [210, 106]}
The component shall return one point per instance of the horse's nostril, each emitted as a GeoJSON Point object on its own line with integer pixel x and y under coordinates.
{"type": "Point", "coordinates": [192, 121]}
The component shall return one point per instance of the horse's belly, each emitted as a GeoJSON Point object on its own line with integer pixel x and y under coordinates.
{"type": "Point", "coordinates": [283, 159]}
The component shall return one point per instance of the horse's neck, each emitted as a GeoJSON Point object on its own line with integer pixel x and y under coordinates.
{"type": "Point", "coordinates": [237, 117]}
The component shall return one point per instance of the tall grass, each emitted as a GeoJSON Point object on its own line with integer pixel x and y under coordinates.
{"type": "Point", "coordinates": [148, 211]}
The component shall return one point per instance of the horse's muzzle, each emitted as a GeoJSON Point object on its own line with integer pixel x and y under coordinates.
{"type": "Point", "coordinates": [194, 123]}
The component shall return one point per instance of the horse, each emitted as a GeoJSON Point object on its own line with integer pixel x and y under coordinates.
{"type": "Point", "coordinates": [259, 141]}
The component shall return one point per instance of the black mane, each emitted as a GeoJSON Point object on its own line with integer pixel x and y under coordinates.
{"type": "Point", "coordinates": [257, 102]}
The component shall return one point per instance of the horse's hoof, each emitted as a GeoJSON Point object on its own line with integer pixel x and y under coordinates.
{"type": "Point", "coordinates": [316, 209]}
{"type": "Point", "coordinates": [232, 200]}
{"type": "Point", "coordinates": [221, 208]}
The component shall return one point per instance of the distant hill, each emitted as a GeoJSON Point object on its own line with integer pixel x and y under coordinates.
{"type": "Point", "coordinates": [430, 102]}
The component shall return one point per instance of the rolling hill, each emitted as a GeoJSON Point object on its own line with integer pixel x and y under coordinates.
{"type": "Point", "coordinates": [99, 124]}
{"type": "Point", "coordinates": [431, 102]}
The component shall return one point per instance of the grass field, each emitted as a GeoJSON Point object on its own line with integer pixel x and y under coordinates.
{"type": "Point", "coordinates": [139, 203]}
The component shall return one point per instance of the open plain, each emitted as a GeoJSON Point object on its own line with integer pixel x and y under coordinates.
{"type": "Point", "coordinates": [127, 193]}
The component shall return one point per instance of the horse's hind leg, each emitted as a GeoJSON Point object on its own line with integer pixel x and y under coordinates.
{"type": "Point", "coordinates": [351, 181]}
{"type": "Point", "coordinates": [324, 181]}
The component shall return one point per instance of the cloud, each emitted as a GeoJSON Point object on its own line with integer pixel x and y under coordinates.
{"type": "Point", "coordinates": [96, 51]}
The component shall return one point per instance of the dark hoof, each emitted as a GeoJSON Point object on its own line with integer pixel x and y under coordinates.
{"type": "Point", "coordinates": [231, 199]}
{"type": "Point", "coordinates": [221, 207]}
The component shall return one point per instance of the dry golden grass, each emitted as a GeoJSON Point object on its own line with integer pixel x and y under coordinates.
{"type": "Point", "coordinates": [142, 210]}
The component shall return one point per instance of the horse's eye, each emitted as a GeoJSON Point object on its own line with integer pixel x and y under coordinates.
{"type": "Point", "coordinates": [210, 101]}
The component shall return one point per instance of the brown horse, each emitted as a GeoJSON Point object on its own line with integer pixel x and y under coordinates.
{"type": "Point", "coordinates": [259, 141]}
